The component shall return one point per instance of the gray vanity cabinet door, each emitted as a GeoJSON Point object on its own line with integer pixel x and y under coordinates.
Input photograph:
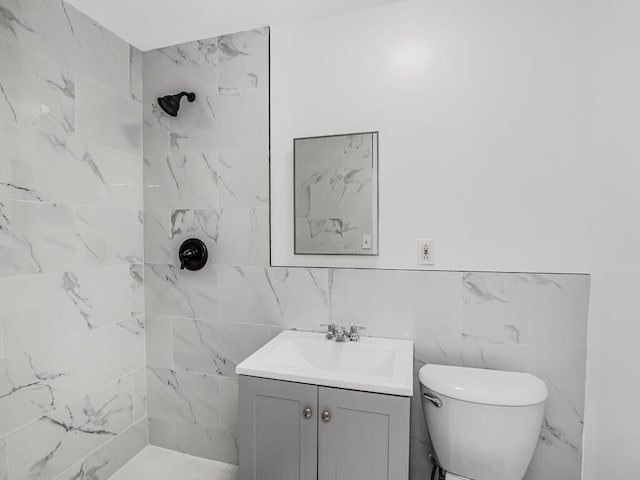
{"type": "Point", "coordinates": [365, 438]}
{"type": "Point", "coordinates": [277, 442]}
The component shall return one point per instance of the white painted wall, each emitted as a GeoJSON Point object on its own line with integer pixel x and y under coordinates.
{"type": "Point", "coordinates": [482, 112]}
{"type": "Point", "coordinates": [612, 433]}
{"type": "Point", "coordinates": [509, 132]}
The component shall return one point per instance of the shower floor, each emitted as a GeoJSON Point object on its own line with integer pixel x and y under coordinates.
{"type": "Point", "coordinates": [155, 463]}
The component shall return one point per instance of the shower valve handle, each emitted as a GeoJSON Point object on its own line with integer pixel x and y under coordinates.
{"type": "Point", "coordinates": [193, 254]}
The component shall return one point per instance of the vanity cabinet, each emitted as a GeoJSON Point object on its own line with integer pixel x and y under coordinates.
{"type": "Point", "coordinates": [295, 431]}
{"type": "Point", "coordinates": [277, 442]}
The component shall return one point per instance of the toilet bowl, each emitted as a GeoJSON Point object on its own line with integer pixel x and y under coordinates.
{"type": "Point", "coordinates": [482, 424]}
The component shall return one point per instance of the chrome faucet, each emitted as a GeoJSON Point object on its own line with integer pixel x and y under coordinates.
{"type": "Point", "coordinates": [331, 330]}
{"type": "Point", "coordinates": [341, 334]}
{"type": "Point", "coordinates": [354, 333]}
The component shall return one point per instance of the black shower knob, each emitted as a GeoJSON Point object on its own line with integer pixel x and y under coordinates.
{"type": "Point", "coordinates": [193, 254]}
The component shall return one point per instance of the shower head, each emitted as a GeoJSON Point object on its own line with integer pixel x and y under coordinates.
{"type": "Point", "coordinates": [171, 103]}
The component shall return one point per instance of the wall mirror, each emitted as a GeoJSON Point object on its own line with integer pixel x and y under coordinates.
{"type": "Point", "coordinates": [336, 194]}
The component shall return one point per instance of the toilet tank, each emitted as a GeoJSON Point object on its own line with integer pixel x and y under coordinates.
{"type": "Point", "coordinates": [488, 421]}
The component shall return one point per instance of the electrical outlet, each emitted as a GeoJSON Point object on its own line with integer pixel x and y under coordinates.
{"type": "Point", "coordinates": [425, 252]}
{"type": "Point", "coordinates": [366, 242]}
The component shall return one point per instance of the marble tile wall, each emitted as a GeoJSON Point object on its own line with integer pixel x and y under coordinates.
{"type": "Point", "coordinates": [206, 175]}
{"type": "Point", "coordinates": [72, 358]}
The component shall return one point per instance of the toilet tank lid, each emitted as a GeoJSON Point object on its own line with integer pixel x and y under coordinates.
{"type": "Point", "coordinates": [490, 387]}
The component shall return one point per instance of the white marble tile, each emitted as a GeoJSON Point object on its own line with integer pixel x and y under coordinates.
{"type": "Point", "coordinates": [58, 31]}
{"type": "Point", "coordinates": [548, 310]}
{"type": "Point", "coordinates": [203, 224]}
{"type": "Point", "coordinates": [397, 303]}
{"type": "Point", "coordinates": [190, 66]}
{"type": "Point", "coordinates": [438, 350]}
{"type": "Point", "coordinates": [237, 236]}
{"type": "Point", "coordinates": [183, 180]}
{"type": "Point", "coordinates": [243, 59]}
{"type": "Point", "coordinates": [35, 91]}
{"type": "Point", "coordinates": [139, 378]}
{"type": "Point", "coordinates": [196, 346]}
{"type": "Point", "coordinates": [159, 335]}
{"type": "Point", "coordinates": [220, 122]}
{"type": "Point", "coordinates": [242, 120]}
{"type": "Point", "coordinates": [229, 406]}
{"type": "Point", "coordinates": [162, 433]}
{"type": "Point", "coordinates": [108, 236]}
{"type": "Point", "coordinates": [37, 382]}
{"type": "Point", "coordinates": [243, 236]}
{"type": "Point", "coordinates": [155, 128]}
{"type": "Point", "coordinates": [107, 118]}
{"type": "Point", "coordinates": [109, 458]}
{"type": "Point", "coordinates": [481, 354]}
{"type": "Point", "coordinates": [174, 292]}
{"type": "Point", "coordinates": [283, 297]}
{"type": "Point", "coordinates": [4, 475]}
{"type": "Point", "coordinates": [206, 401]}
{"type": "Point", "coordinates": [74, 472]}
{"type": "Point", "coordinates": [35, 238]}
{"type": "Point", "coordinates": [215, 347]}
{"type": "Point", "coordinates": [136, 284]}
{"type": "Point", "coordinates": [99, 53]}
{"type": "Point", "coordinates": [211, 443]}
{"type": "Point", "coordinates": [85, 173]}
{"type": "Point", "coordinates": [135, 73]}
{"type": "Point", "coordinates": [155, 463]}
{"type": "Point", "coordinates": [243, 178]}
{"type": "Point", "coordinates": [184, 396]}
{"type": "Point", "coordinates": [564, 372]}
{"type": "Point", "coordinates": [48, 446]}
{"type": "Point", "coordinates": [110, 352]}
{"type": "Point", "coordinates": [122, 177]}
{"type": "Point", "coordinates": [157, 236]}
{"type": "Point", "coordinates": [549, 458]}
{"type": "Point", "coordinates": [197, 129]}
{"type": "Point", "coordinates": [68, 303]}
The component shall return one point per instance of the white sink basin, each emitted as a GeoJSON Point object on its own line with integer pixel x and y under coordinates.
{"type": "Point", "coordinates": [377, 365]}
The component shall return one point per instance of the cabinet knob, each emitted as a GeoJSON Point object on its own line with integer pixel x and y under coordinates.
{"type": "Point", "coordinates": [306, 413]}
{"type": "Point", "coordinates": [326, 416]}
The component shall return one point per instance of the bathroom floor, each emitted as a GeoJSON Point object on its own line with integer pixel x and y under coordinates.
{"type": "Point", "coordinates": [155, 463]}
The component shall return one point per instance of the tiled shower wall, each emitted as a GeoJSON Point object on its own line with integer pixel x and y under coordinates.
{"type": "Point", "coordinates": [72, 381]}
{"type": "Point", "coordinates": [206, 176]}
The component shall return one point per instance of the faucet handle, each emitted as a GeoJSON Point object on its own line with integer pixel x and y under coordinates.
{"type": "Point", "coordinates": [331, 330]}
{"type": "Point", "coordinates": [354, 332]}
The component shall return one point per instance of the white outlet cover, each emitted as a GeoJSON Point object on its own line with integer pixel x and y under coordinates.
{"type": "Point", "coordinates": [425, 251]}
{"type": "Point", "coordinates": [366, 242]}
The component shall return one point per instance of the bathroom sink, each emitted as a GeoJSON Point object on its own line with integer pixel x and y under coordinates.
{"type": "Point", "coordinates": [377, 365]}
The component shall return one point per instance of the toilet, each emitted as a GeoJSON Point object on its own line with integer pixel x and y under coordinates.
{"type": "Point", "coordinates": [482, 424]}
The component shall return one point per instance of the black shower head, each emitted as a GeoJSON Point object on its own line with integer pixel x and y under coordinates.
{"type": "Point", "coordinates": [171, 103]}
